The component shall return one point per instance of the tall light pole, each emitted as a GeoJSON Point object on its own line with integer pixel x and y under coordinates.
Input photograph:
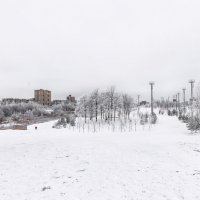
{"type": "Point", "coordinates": [191, 100]}
{"type": "Point", "coordinates": [151, 84]}
{"type": "Point", "coordinates": [184, 106]}
{"type": "Point", "coordinates": [192, 89]}
{"type": "Point", "coordinates": [178, 96]}
{"type": "Point", "coordinates": [176, 101]}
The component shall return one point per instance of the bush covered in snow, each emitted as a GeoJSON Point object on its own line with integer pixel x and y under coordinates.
{"type": "Point", "coordinates": [27, 111]}
{"type": "Point", "coordinates": [153, 118]}
{"type": "Point", "coordinates": [63, 108]}
{"type": "Point", "coordinates": [63, 121]}
{"type": "Point", "coordinates": [193, 123]}
{"type": "Point", "coordinates": [22, 111]}
{"type": "Point", "coordinates": [2, 116]}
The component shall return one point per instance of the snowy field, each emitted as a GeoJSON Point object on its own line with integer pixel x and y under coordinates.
{"type": "Point", "coordinates": [49, 164]}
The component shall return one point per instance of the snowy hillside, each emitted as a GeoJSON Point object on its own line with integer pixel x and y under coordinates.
{"type": "Point", "coordinates": [59, 164]}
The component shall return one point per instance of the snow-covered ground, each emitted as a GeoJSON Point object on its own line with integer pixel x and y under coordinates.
{"type": "Point", "coordinates": [50, 164]}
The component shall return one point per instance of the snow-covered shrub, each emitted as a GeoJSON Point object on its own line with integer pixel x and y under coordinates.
{"type": "Point", "coordinates": [16, 117]}
{"type": "Point", "coordinates": [57, 110]}
{"type": "Point", "coordinates": [144, 118]}
{"type": "Point", "coordinates": [60, 123]}
{"type": "Point", "coordinates": [68, 106]}
{"type": "Point", "coordinates": [153, 118]}
{"type": "Point", "coordinates": [193, 123]}
{"type": "Point", "coordinates": [174, 112]}
{"type": "Point", "coordinates": [61, 109]}
{"type": "Point", "coordinates": [2, 116]}
{"type": "Point", "coordinates": [29, 115]}
{"type": "Point", "coordinates": [185, 118]}
{"type": "Point", "coordinates": [161, 112]}
{"type": "Point", "coordinates": [6, 110]}
{"type": "Point", "coordinates": [72, 120]}
{"type": "Point", "coordinates": [180, 117]}
{"type": "Point", "coordinates": [36, 112]}
{"type": "Point", "coordinates": [24, 111]}
{"type": "Point", "coordinates": [63, 121]}
{"type": "Point", "coordinates": [169, 112]}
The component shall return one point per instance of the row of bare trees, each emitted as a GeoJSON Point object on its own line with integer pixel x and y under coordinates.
{"type": "Point", "coordinates": [108, 105]}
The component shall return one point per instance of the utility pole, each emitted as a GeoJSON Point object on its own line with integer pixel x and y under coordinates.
{"type": "Point", "coordinates": [192, 97]}
{"type": "Point", "coordinates": [178, 95]}
{"type": "Point", "coordinates": [151, 84]}
{"type": "Point", "coordinates": [192, 89]}
{"type": "Point", "coordinates": [184, 106]}
{"type": "Point", "coordinates": [176, 101]}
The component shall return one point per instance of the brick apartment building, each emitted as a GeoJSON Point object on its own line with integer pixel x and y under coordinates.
{"type": "Point", "coordinates": [43, 97]}
{"type": "Point", "coordinates": [71, 99]}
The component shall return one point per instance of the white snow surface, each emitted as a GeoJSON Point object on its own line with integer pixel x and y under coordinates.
{"type": "Point", "coordinates": [62, 164]}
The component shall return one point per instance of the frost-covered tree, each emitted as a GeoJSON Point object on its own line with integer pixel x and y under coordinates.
{"type": "Point", "coordinates": [91, 107]}
{"type": "Point", "coordinates": [193, 123]}
{"type": "Point", "coordinates": [127, 102]}
{"type": "Point", "coordinates": [111, 97]}
{"type": "Point", "coordinates": [102, 106]}
{"type": "Point", "coordinates": [95, 99]}
{"type": "Point", "coordinates": [28, 115]}
{"type": "Point", "coordinates": [116, 105]}
{"type": "Point", "coordinates": [6, 110]}
{"type": "Point", "coordinates": [2, 116]}
{"type": "Point", "coordinates": [17, 111]}
{"type": "Point", "coordinates": [57, 110]}
{"type": "Point", "coordinates": [105, 105]}
{"type": "Point", "coordinates": [82, 108]}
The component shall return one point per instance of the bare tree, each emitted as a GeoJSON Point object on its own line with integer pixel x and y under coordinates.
{"type": "Point", "coordinates": [82, 107]}
{"type": "Point", "coordinates": [127, 105]}
{"type": "Point", "coordinates": [111, 96]}
{"type": "Point", "coordinates": [96, 99]}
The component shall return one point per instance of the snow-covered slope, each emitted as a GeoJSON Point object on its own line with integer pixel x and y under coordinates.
{"type": "Point", "coordinates": [50, 164]}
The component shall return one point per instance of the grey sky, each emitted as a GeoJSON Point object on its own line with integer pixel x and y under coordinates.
{"type": "Point", "coordinates": [76, 46]}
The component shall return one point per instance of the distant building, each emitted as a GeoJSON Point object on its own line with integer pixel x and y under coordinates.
{"type": "Point", "coordinates": [71, 99]}
{"type": "Point", "coordinates": [15, 100]}
{"type": "Point", "coordinates": [43, 97]}
{"type": "Point", "coordinates": [56, 102]}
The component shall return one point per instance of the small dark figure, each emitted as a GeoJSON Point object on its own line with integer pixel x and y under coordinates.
{"type": "Point", "coordinates": [35, 127]}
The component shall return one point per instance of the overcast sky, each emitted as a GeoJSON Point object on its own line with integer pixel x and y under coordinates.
{"type": "Point", "coordinates": [79, 45]}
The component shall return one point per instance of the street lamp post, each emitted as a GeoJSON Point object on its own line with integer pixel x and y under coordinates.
{"type": "Point", "coordinates": [178, 95]}
{"type": "Point", "coordinates": [192, 89]}
{"type": "Point", "coordinates": [151, 84]}
{"type": "Point", "coordinates": [176, 101]}
{"type": "Point", "coordinates": [192, 97]}
{"type": "Point", "coordinates": [184, 106]}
